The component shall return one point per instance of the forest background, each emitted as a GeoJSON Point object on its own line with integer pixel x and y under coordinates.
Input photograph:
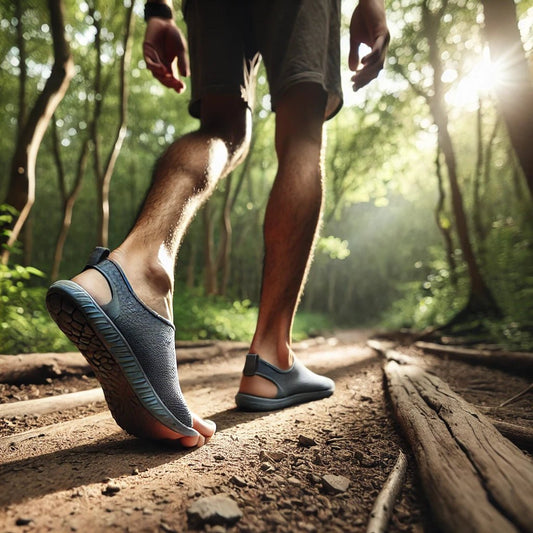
{"type": "Point", "coordinates": [428, 215]}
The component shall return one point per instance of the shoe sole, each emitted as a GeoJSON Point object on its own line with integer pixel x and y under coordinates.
{"type": "Point", "coordinates": [249, 402]}
{"type": "Point", "coordinates": [133, 404]}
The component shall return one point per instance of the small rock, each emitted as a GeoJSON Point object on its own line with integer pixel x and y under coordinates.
{"type": "Point", "coordinates": [335, 484]}
{"type": "Point", "coordinates": [306, 442]}
{"type": "Point", "coordinates": [135, 472]}
{"type": "Point", "coordinates": [277, 518]}
{"type": "Point", "coordinates": [314, 478]}
{"type": "Point", "coordinates": [110, 489]}
{"type": "Point", "coordinates": [166, 528]}
{"type": "Point", "coordinates": [267, 467]}
{"type": "Point", "coordinates": [215, 510]}
{"type": "Point", "coordinates": [365, 398]}
{"type": "Point", "coordinates": [294, 481]}
{"type": "Point", "coordinates": [239, 481]}
{"type": "Point", "coordinates": [23, 521]}
{"type": "Point", "coordinates": [219, 458]}
{"type": "Point", "coordinates": [272, 456]}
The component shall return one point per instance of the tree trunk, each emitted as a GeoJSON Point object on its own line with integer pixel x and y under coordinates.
{"type": "Point", "coordinates": [211, 284]}
{"type": "Point", "coordinates": [480, 298]}
{"type": "Point", "coordinates": [444, 228]}
{"type": "Point", "coordinates": [21, 191]}
{"type": "Point", "coordinates": [515, 89]}
{"type": "Point", "coordinates": [103, 176]}
{"type": "Point", "coordinates": [68, 198]}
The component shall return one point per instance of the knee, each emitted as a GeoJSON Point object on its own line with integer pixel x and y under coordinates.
{"type": "Point", "coordinates": [229, 121]}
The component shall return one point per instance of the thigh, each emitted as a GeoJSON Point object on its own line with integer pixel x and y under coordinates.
{"type": "Point", "coordinates": [218, 44]}
{"type": "Point", "coordinates": [300, 43]}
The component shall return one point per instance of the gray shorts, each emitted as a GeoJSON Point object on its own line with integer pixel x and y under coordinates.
{"type": "Point", "coordinates": [299, 41]}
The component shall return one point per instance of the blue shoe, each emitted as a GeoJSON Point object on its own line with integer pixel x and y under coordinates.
{"type": "Point", "coordinates": [295, 385]}
{"type": "Point", "coordinates": [131, 350]}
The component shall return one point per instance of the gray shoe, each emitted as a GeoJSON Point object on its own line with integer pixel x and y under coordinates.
{"type": "Point", "coordinates": [295, 385]}
{"type": "Point", "coordinates": [131, 350]}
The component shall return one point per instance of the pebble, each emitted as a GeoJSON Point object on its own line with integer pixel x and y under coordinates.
{"type": "Point", "coordinates": [335, 484]}
{"type": "Point", "coordinates": [267, 467]}
{"type": "Point", "coordinates": [272, 456]}
{"type": "Point", "coordinates": [166, 528]}
{"type": "Point", "coordinates": [239, 481]}
{"type": "Point", "coordinates": [110, 489]}
{"type": "Point", "coordinates": [306, 442]}
{"type": "Point", "coordinates": [215, 510]}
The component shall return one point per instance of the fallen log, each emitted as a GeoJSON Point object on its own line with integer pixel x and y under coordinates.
{"type": "Point", "coordinates": [519, 435]}
{"type": "Point", "coordinates": [384, 504]}
{"type": "Point", "coordinates": [475, 479]}
{"type": "Point", "coordinates": [51, 404]}
{"type": "Point", "coordinates": [513, 361]}
{"type": "Point", "coordinates": [38, 367]}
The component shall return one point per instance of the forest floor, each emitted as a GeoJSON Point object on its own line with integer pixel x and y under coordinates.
{"type": "Point", "coordinates": [76, 470]}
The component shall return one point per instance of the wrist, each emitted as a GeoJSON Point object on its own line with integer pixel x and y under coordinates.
{"type": "Point", "coordinates": [158, 9]}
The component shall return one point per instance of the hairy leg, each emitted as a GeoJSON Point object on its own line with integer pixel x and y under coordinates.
{"type": "Point", "coordinates": [291, 222]}
{"type": "Point", "coordinates": [183, 179]}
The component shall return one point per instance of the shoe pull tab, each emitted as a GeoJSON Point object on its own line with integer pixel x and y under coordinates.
{"type": "Point", "coordinates": [97, 256]}
{"type": "Point", "coordinates": [250, 366]}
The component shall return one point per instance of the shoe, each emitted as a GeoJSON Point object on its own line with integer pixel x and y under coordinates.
{"type": "Point", "coordinates": [131, 350]}
{"type": "Point", "coordinates": [295, 385]}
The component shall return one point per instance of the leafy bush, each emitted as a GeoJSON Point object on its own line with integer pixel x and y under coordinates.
{"type": "Point", "coordinates": [201, 317]}
{"type": "Point", "coordinates": [25, 325]}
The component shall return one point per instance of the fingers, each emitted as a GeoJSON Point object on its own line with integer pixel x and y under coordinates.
{"type": "Point", "coordinates": [353, 57]}
{"type": "Point", "coordinates": [371, 64]}
{"type": "Point", "coordinates": [162, 72]}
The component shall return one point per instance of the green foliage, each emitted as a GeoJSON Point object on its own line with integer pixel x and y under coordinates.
{"type": "Point", "coordinates": [25, 325]}
{"type": "Point", "coordinates": [212, 317]}
{"type": "Point", "coordinates": [432, 301]}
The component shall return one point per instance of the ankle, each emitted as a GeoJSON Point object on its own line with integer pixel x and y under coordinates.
{"type": "Point", "coordinates": [280, 355]}
{"type": "Point", "coordinates": [148, 278]}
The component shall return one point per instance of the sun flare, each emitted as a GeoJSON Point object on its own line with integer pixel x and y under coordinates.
{"type": "Point", "coordinates": [478, 82]}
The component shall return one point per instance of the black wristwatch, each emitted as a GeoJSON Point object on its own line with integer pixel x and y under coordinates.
{"type": "Point", "coordinates": [155, 9]}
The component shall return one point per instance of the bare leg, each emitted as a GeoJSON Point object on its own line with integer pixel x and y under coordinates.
{"type": "Point", "coordinates": [183, 179]}
{"type": "Point", "coordinates": [291, 222]}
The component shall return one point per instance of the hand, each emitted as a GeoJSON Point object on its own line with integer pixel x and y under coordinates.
{"type": "Point", "coordinates": [368, 26]}
{"type": "Point", "coordinates": [163, 47]}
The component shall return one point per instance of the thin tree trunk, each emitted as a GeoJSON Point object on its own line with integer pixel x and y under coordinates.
{"type": "Point", "coordinates": [68, 198]}
{"type": "Point", "coordinates": [104, 175]}
{"type": "Point", "coordinates": [480, 299]}
{"type": "Point", "coordinates": [21, 191]}
{"type": "Point", "coordinates": [121, 128]}
{"type": "Point", "coordinates": [224, 254]}
{"type": "Point", "coordinates": [211, 285]}
{"type": "Point", "coordinates": [515, 91]}
{"type": "Point", "coordinates": [444, 228]}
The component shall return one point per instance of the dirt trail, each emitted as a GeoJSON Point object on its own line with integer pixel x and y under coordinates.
{"type": "Point", "coordinates": [78, 471]}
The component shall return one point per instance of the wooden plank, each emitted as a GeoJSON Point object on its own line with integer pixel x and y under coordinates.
{"type": "Point", "coordinates": [38, 367]}
{"type": "Point", "coordinates": [475, 479]}
{"type": "Point", "coordinates": [513, 361]}
{"type": "Point", "coordinates": [51, 404]}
